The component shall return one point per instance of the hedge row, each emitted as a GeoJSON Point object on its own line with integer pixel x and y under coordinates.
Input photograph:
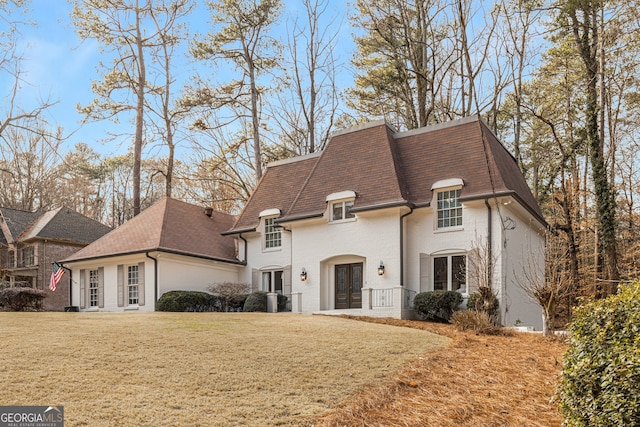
{"type": "Point", "coordinates": [202, 301]}
{"type": "Point", "coordinates": [197, 301]}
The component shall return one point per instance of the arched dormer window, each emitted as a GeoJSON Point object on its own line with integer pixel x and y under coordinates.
{"type": "Point", "coordinates": [272, 234]}
{"type": "Point", "coordinates": [448, 206]}
{"type": "Point", "coordinates": [340, 205]}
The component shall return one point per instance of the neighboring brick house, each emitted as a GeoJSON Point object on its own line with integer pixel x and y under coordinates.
{"type": "Point", "coordinates": [31, 241]}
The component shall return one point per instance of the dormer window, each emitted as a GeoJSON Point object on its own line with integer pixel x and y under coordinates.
{"type": "Point", "coordinates": [272, 233]}
{"type": "Point", "coordinates": [448, 207]}
{"type": "Point", "coordinates": [340, 205]}
{"type": "Point", "coordinates": [341, 210]}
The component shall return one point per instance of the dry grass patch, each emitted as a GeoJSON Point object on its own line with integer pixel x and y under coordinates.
{"type": "Point", "coordinates": [210, 369]}
{"type": "Point", "coordinates": [477, 380]}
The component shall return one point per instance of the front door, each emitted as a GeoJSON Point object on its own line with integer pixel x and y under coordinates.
{"type": "Point", "coordinates": [349, 286]}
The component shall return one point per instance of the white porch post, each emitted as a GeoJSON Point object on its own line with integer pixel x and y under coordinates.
{"type": "Point", "coordinates": [366, 298]}
{"type": "Point", "coordinates": [272, 302]}
{"type": "Point", "coordinates": [296, 302]}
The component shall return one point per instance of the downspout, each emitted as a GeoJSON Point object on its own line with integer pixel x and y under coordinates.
{"type": "Point", "coordinates": [70, 283]}
{"type": "Point", "coordinates": [155, 279]}
{"type": "Point", "coordinates": [245, 248]}
{"type": "Point", "coordinates": [489, 240]}
{"type": "Point", "coordinates": [402, 244]}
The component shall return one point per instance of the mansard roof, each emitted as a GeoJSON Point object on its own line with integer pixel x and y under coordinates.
{"type": "Point", "coordinates": [387, 168]}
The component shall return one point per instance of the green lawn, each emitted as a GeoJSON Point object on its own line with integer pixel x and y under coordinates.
{"type": "Point", "coordinates": [207, 369]}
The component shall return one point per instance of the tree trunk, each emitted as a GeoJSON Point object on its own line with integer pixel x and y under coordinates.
{"type": "Point", "coordinates": [137, 147]}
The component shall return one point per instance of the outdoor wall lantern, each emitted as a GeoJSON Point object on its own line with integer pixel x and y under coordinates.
{"type": "Point", "coordinates": [381, 269]}
{"type": "Point", "coordinates": [303, 275]}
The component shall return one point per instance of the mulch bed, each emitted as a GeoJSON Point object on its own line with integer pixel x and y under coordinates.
{"type": "Point", "coordinates": [478, 380]}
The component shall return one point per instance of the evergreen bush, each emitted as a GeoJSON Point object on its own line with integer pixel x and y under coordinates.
{"type": "Point", "coordinates": [601, 369]}
{"type": "Point", "coordinates": [437, 305]}
{"type": "Point", "coordinates": [189, 301]}
{"type": "Point", "coordinates": [21, 298]}
{"type": "Point", "coordinates": [256, 301]}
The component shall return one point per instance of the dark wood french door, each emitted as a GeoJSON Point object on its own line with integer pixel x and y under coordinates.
{"type": "Point", "coordinates": [349, 285]}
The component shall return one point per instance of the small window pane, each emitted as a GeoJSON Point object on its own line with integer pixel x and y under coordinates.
{"type": "Point", "coordinates": [440, 274]}
{"type": "Point", "coordinates": [459, 273]}
{"type": "Point", "coordinates": [347, 209]}
{"type": "Point", "coordinates": [337, 211]}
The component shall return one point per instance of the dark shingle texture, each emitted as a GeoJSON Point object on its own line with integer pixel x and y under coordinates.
{"type": "Point", "coordinates": [170, 225]}
{"type": "Point", "coordinates": [384, 168]}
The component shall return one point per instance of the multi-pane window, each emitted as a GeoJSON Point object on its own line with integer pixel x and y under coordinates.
{"type": "Point", "coordinates": [132, 284]}
{"type": "Point", "coordinates": [272, 234]}
{"type": "Point", "coordinates": [94, 283]}
{"type": "Point", "coordinates": [341, 210]}
{"type": "Point", "coordinates": [12, 259]}
{"type": "Point", "coordinates": [449, 209]}
{"type": "Point", "coordinates": [449, 273]}
{"type": "Point", "coordinates": [27, 256]}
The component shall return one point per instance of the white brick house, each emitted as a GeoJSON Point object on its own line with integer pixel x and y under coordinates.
{"type": "Point", "coordinates": [379, 216]}
{"type": "Point", "coordinates": [359, 228]}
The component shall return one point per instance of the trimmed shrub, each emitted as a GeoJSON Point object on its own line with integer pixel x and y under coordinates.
{"type": "Point", "coordinates": [282, 302]}
{"type": "Point", "coordinates": [21, 299]}
{"type": "Point", "coordinates": [437, 305]}
{"type": "Point", "coordinates": [256, 301]}
{"type": "Point", "coordinates": [601, 369]}
{"type": "Point", "coordinates": [189, 301]}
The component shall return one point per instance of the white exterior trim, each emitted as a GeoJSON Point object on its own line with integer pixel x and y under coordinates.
{"type": "Point", "coordinates": [444, 183]}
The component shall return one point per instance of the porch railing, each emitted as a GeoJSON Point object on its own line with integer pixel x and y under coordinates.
{"type": "Point", "coordinates": [381, 298]}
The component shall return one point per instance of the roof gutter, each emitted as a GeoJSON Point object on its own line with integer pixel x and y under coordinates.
{"type": "Point", "coordinates": [168, 251]}
{"type": "Point", "coordinates": [155, 278]}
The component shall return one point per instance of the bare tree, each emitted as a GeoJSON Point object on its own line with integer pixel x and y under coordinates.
{"type": "Point", "coordinates": [550, 285]}
{"type": "Point", "coordinates": [229, 291]}
{"type": "Point", "coordinates": [480, 274]}
{"type": "Point", "coordinates": [308, 102]}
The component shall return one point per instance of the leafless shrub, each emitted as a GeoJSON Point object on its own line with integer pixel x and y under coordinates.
{"type": "Point", "coordinates": [477, 321]}
{"type": "Point", "coordinates": [229, 291]}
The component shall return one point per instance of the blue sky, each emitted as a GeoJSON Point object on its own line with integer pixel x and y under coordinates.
{"type": "Point", "coordinates": [60, 67]}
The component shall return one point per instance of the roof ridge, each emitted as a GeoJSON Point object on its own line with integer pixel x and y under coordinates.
{"type": "Point", "coordinates": [308, 177]}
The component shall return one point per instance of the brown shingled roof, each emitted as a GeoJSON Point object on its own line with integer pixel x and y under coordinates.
{"type": "Point", "coordinates": [385, 168]}
{"type": "Point", "coordinates": [169, 225]}
{"type": "Point", "coordinates": [279, 186]}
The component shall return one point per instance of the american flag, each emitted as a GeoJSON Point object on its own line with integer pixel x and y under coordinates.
{"type": "Point", "coordinates": [56, 275]}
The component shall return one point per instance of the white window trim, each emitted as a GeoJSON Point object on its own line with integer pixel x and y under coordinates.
{"type": "Point", "coordinates": [128, 285]}
{"type": "Point", "coordinates": [434, 203]}
{"type": "Point", "coordinates": [449, 255]}
{"type": "Point", "coordinates": [264, 236]}
{"type": "Point", "coordinates": [343, 219]}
